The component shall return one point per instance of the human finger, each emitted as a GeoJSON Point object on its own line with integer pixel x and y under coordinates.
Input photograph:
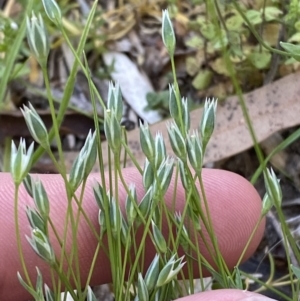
{"type": "Point", "coordinates": [234, 206]}
{"type": "Point", "coordinates": [226, 295]}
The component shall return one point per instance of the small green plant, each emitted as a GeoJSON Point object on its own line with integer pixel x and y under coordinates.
{"type": "Point", "coordinates": [159, 281]}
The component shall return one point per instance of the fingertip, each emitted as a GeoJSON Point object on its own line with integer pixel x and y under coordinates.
{"type": "Point", "coordinates": [226, 295]}
{"type": "Point", "coordinates": [235, 207]}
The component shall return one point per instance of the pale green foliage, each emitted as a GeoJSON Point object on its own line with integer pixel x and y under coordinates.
{"type": "Point", "coordinates": [145, 214]}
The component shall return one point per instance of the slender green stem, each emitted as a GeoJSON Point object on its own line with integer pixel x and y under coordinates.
{"type": "Point", "coordinates": [94, 88]}
{"type": "Point", "coordinates": [178, 96]}
{"type": "Point", "coordinates": [65, 280]}
{"type": "Point", "coordinates": [70, 82]}
{"type": "Point", "coordinates": [199, 261]}
{"type": "Point", "coordinates": [118, 238]}
{"type": "Point", "coordinates": [131, 155]}
{"type": "Point", "coordinates": [78, 203]}
{"type": "Point", "coordinates": [69, 218]}
{"type": "Point", "coordinates": [54, 120]}
{"type": "Point", "coordinates": [92, 267]}
{"type": "Point", "coordinates": [220, 261]}
{"type": "Point", "coordinates": [18, 235]}
{"type": "Point", "coordinates": [249, 241]}
{"type": "Point", "coordinates": [123, 270]}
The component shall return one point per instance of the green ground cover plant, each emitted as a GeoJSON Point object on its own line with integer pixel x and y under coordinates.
{"type": "Point", "coordinates": [160, 281]}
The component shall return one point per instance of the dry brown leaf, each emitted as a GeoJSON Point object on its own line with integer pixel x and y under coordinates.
{"type": "Point", "coordinates": [271, 108]}
{"type": "Point", "coordinates": [134, 84]}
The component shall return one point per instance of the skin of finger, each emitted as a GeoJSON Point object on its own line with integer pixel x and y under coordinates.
{"type": "Point", "coordinates": [235, 207]}
{"type": "Point", "coordinates": [226, 295]}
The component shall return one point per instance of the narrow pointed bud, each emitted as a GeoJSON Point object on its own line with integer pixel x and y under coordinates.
{"type": "Point", "coordinates": [90, 151]}
{"type": "Point", "coordinates": [39, 284]}
{"type": "Point", "coordinates": [52, 11]}
{"type": "Point", "coordinates": [37, 38]}
{"type": "Point", "coordinates": [157, 215]}
{"type": "Point", "coordinates": [168, 34]}
{"type": "Point", "coordinates": [208, 120]}
{"type": "Point", "coordinates": [35, 219]}
{"type": "Point", "coordinates": [195, 152]}
{"type": "Point", "coordinates": [115, 215]}
{"type": "Point", "coordinates": [84, 162]}
{"type": "Point", "coordinates": [20, 161]}
{"type": "Point", "coordinates": [125, 235]}
{"type": "Point", "coordinates": [131, 198]}
{"type": "Point", "coordinates": [159, 239]}
{"type": "Point", "coordinates": [177, 141]}
{"type": "Point", "coordinates": [100, 195]}
{"type": "Point", "coordinates": [147, 142]}
{"type": "Point", "coordinates": [145, 205]}
{"type": "Point", "coordinates": [114, 100]}
{"type": "Point", "coordinates": [186, 114]}
{"type": "Point", "coordinates": [102, 223]}
{"type": "Point", "coordinates": [36, 126]}
{"type": "Point", "coordinates": [175, 110]}
{"type": "Point", "coordinates": [77, 172]}
{"type": "Point", "coordinates": [164, 175]}
{"type": "Point", "coordinates": [37, 292]}
{"type": "Point", "coordinates": [143, 294]}
{"type": "Point", "coordinates": [27, 182]}
{"type": "Point", "coordinates": [183, 176]}
{"type": "Point", "coordinates": [160, 150]}
{"type": "Point", "coordinates": [238, 279]}
{"type": "Point", "coordinates": [88, 155]}
{"type": "Point", "coordinates": [48, 293]}
{"type": "Point", "coordinates": [267, 204]}
{"type": "Point", "coordinates": [273, 187]}
{"type": "Point", "coordinates": [40, 198]}
{"type": "Point", "coordinates": [41, 245]}
{"type": "Point", "coordinates": [170, 271]}
{"type": "Point", "coordinates": [148, 175]}
{"type": "Point", "coordinates": [152, 273]}
{"type": "Point", "coordinates": [113, 132]}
